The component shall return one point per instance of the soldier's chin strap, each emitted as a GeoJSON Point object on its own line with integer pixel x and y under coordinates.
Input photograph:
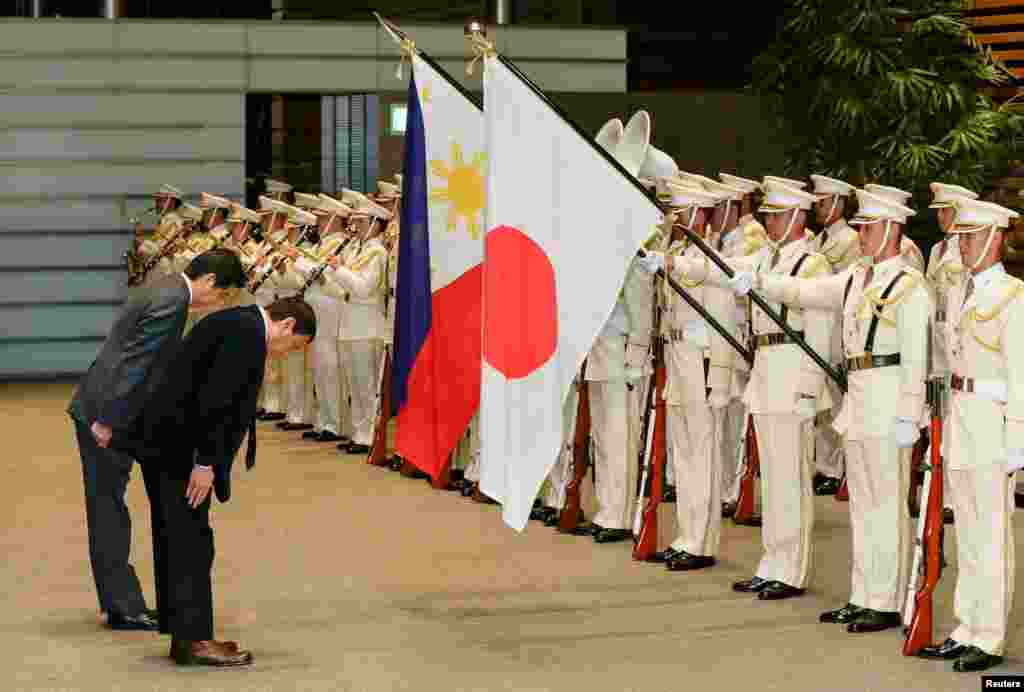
{"type": "Point", "coordinates": [872, 259]}
{"type": "Point", "coordinates": [777, 246]}
{"type": "Point", "coordinates": [984, 252]}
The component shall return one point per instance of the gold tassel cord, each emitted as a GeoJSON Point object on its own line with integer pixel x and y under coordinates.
{"type": "Point", "coordinates": [482, 48]}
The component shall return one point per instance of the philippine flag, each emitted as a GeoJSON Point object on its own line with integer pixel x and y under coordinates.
{"type": "Point", "coordinates": [436, 374]}
{"type": "Point", "coordinates": [564, 223]}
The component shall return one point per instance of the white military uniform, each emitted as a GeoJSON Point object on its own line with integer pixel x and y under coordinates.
{"type": "Point", "coordinates": [617, 370]}
{"type": "Point", "coordinates": [985, 331]}
{"type": "Point", "coordinates": [699, 364]}
{"type": "Point", "coordinates": [362, 329]}
{"type": "Point", "coordinates": [878, 471]}
{"type": "Point", "coordinates": [170, 224]}
{"type": "Point", "coordinates": [781, 375]}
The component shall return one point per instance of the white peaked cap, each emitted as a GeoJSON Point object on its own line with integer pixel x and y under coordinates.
{"type": "Point", "coordinates": [944, 195]}
{"type": "Point", "coordinates": [631, 152]}
{"type": "Point", "coordinates": [389, 190]}
{"type": "Point", "coordinates": [274, 186]}
{"type": "Point", "coordinates": [696, 179]}
{"type": "Point", "coordinates": [744, 184]}
{"type": "Point", "coordinates": [684, 196]}
{"type": "Point", "coordinates": [826, 187]}
{"type": "Point", "coordinates": [725, 192]}
{"type": "Point", "coordinates": [352, 198]}
{"type": "Point", "coordinates": [658, 164]}
{"type": "Point", "coordinates": [788, 182]}
{"type": "Point", "coordinates": [370, 207]}
{"type": "Point", "coordinates": [242, 214]}
{"type": "Point", "coordinates": [190, 211]}
{"type": "Point", "coordinates": [267, 203]}
{"type": "Point", "coordinates": [208, 201]}
{"type": "Point", "coordinates": [329, 205]}
{"type": "Point", "coordinates": [304, 200]}
{"type": "Point", "coordinates": [974, 215]}
{"type": "Point", "coordinates": [610, 135]}
{"type": "Point", "coordinates": [171, 190]}
{"type": "Point", "coordinates": [301, 217]}
{"type": "Point", "coordinates": [893, 193]}
{"type": "Point", "coordinates": [779, 197]}
{"type": "Point", "coordinates": [873, 207]}
{"type": "Point", "coordinates": [398, 180]}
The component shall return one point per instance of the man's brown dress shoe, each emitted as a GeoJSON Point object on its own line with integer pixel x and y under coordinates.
{"type": "Point", "coordinates": [209, 653]}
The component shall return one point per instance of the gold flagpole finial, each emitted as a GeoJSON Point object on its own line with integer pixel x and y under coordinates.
{"type": "Point", "coordinates": [476, 33]}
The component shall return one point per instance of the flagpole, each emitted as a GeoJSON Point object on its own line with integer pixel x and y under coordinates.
{"type": "Point", "coordinates": [791, 333]}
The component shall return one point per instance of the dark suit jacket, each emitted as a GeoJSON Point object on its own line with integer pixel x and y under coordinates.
{"type": "Point", "coordinates": [208, 400]}
{"type": "Point", "coordinates": [131, 364]}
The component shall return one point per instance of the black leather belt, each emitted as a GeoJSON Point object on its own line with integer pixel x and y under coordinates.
{"type": "Point", "coordinates": [868, 361]}
{"type": "Point", "coordinates": [762, 340]}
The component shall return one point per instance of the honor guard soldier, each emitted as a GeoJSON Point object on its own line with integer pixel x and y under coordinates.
{"type": "Point", "coordinates": [358, 279]}
{"type": "Point", "coordinates": [166, 202]}
{"type": "Point", "coordinates": [785, 385]}
{"type": "Point", "coordinates": [699, 366]}
{"type": "Point", "coordinates": [885, 308]}
{"type": "Point", "coordinates": [840, 245]}
{"type": "Point", "coordinates": [984, 437]}
{"type": "Point", "coordinates": [909, 248]}
{"type": "Point", "coordinates": [275, 218]}
{"type": "Point", "coordinates": [332, 216]}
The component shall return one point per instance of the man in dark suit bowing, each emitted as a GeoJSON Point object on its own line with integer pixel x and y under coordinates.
{"type": "Point", "coordinates": [128, 369]}
{"type": "Point", "coordinates": [187, 437]}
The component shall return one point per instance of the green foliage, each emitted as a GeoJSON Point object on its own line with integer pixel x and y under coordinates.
{"type": "Point", "coordinates": [887, 91]}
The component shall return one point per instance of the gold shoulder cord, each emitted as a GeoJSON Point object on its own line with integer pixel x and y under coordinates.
{"type": "Point", "coordinates": [365, 259]}
{"type": "Point", "coordinates": [974, 315]}
{"type": "Point", "coordinates": [872, 303]}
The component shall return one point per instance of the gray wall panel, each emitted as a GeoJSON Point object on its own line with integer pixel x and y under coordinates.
{"type": "Point", "coordinates": [36, 286]}
{"type": "Point", "coordinates": [24, 252]}
{"type": "Point", "coordinates": [98, 109]}
{"type": "Point", "coordinates": [218, 143]}
{"type": "Point", "coordinates": [43, 359]}
{"type": "Point", "coordinates": [60, 215]}
{"type": "Point", "coordinates": [56, 321]}
{"type": "Point", "coordinates": [83, 179]}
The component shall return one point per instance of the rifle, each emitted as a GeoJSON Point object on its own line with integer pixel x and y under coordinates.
{"type": "Point", "coordinates": [569, 518]}
{"type": "Point", "coordinates": [927, 564]}
{"type": "Point", "coordinates": [319, 271]}
{"type": "Point", "coordinates": [279, 262]}
{"type": "Point", "coordinates": [744, 514]}
{"type": "Point", "coordinates": [647, 532]}
{"type": "Point", "coordinates": [379, 448]}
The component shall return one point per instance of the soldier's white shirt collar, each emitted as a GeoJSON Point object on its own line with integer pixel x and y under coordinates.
{"type": "Point", "coordinates": [188, 284]}
{"type": "Point", "coordinates": [888, 267]}
{"type": "Point", "coordinates": [835, 228]}
{"type": "Point", "coordinates": [990, 275]}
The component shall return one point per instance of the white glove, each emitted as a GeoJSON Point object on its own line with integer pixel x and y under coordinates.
{"type": "Point", "coordinates": [904, 431]}
{"type": "Point", "coordinates": [806, 407]}
{"type": "Point", "coordinates": [719, 399]}
{"type": "Point", "coordinates": [742, 282]}
{"type": "Point", "coordinates": [1014, 460]}
{"type": "Point", "coordinates": [651, 262]}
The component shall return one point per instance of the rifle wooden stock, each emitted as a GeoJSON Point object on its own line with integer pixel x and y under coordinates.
{"type": "Point", "coordinates": [379, 448]}
{"type": "Point", "coordinates": [744, 514]}
{"type": "Point", "coordinates": [920, 633]}
{"type": "Point", "coordinates": [569, 518]}
{"type": "Point", "coordinates": [647, 540]}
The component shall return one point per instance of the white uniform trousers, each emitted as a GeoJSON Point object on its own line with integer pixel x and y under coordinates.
{"type": "Point", "coordinates": [363, 361]}
{"type": "Point", "coordinates": [787, 498]}
{"type": "Point", "coordinates": [877, 477]}
{"type": "Point", "coordinates": [983, 503]}
{"type": "Point", "coordinates": [561, 472]}
{"type": "Point", "coordinates": [298, 386]}
{"type": "Point", "coordinates": [828, 445]}
{"type": "Point", "coordinates": [692, 437]}
{"type": "Point", "coordinates": [472, 470]}
{"type": "Point", "coordinates": [271, 393]}
{"type": "Point", "coordinates": [615, 431]}
{"type": "Point", "coordinates": [326, 363]}
{"type": "Point", "coordinates": [734, 416]}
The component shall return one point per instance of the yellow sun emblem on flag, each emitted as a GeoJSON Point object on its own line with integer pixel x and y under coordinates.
{"type": "Point", "coordinates": [465, 191]}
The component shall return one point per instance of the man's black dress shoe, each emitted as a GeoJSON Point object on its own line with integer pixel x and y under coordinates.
{"type": "Point", "coordinates": [311, 435]}
{"type": "Point", "coordinates": [752, 585]}
{"type": "Point", "coordinates": [145, 621]}
{"type": "Point", "coordinates": [268, 416]}
{"type": "Point", "coordinates": [553, 518]}
{"type": "Point", "coordinates": [777, 591]}
{"type": "Point", "coordinates": [728, 509]}
{"type": "Point", "coordinates": [467, 488]}
{"type": "Point", "coordinates": [948, 516]}
{"type": "Point", "coordinates": [948, 650]}
{"type": "Point", "coordinates": [827, 486]}
{"type": "Point", "coordinates": [260, 411]}
{"type": "Point", "coordinates": [587, 529]}
{"type": "Point", "coordinates": [396, 463]}
{"type": "Point", "coordinates": [612, 535]}
{"type": "Point", "coordinates": [684, 562]}
{"type": "Point", "coordinates": [356, 448]}
{"type": "Point", "coordinates": [669, 496]}
{"type": "Point", "coordinates": [664, 555]}
{"type": "Point", "coordinates": [974, 660]}
{"type": "Point", "coordinates": [874, 621]}
{"type": "Point", "coordinates": [848, 613]}
{"type": "Point", "coordinates": [295, 427]}
{"type": "Point", "coordinates": [1018, 499]}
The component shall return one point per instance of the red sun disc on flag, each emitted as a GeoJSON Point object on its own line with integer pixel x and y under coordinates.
{"type": "Point", "coordinates": [520, 304]}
